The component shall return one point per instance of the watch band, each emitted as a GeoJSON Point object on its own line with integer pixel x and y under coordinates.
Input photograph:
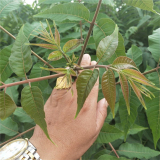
{"type": "Point", "coordinates": [30, 153]}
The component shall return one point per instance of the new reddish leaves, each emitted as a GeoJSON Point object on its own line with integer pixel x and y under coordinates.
{"type": "Point", "coordinates": [125, 90]}
{"type": "Point", "coordinates": [109, 88]}
{"type": "Point", "coordinates": [84, 85]}
{"type": "Point", "coordinates": [123, 62]}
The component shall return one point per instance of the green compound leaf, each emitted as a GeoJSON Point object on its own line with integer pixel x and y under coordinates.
{"type": "Point", "coordinates": [123, 62]}
{"type": "Point", "coordinates": [154, 44]}
{"type": "Point", "coordinates": [33, 104]}
{"type": "Point", "coordinates": [107, 46]}
{"type": "Point", "coordinates": [153, 108]}
{"type": "Point", "coordinates": [7, 105]}
{"type": "Point", "coordinates": [7, 6]}
{"type": "Point", "coordinates": [5, 70]}
{"type": "Point", "coordinates": [108, 134]}
{"type": "Point", "coordinates": [135, 54]}
{"type": "Point", "coordinates": [8, 127]}
{"type": "Point", "coordinates": [84, 85]}
{"type": "Point", "coordinates": [54, 56]}
{"type": "Point", "coordinates": [71, 11]}
{"type": "Point", "coordinates": [109, 89]}
{"type": "Point", "coordinates": [143, 4]}
{"type": "Point", "coordinates": [71, 44]}
{"type": "Point", "coordinates": [20, 60]}
{"type": "Point", "coordinates": [136, 150]}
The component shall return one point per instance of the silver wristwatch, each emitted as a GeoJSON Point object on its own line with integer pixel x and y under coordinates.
{"type": "Point", "coordinates": [19, 149]}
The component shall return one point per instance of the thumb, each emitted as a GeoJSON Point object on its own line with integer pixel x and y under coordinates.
{"type": "Point", "coordinates": [101, 113]}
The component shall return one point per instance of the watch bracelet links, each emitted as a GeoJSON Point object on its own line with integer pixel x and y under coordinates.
{"type": "Point", "coordinates": [30, 153]}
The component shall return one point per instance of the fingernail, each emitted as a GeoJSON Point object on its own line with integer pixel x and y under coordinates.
{"type": "Point", "coordinates": [86, 57]}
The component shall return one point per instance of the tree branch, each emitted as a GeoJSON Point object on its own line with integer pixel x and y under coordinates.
{"type": "Point", "coordinates": [31, 50]}
{"type": "Point", "coordinates": [89, 32]}
{"type": "Point", "coordinates": [19, 135]}
{"type": "Point", "coordinates": [113, 150]}
{"type": "Point", "coordinates": [31, 80]}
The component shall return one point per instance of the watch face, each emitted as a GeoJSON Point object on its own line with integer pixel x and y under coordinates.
{"type": "Point", "coordinates": [13, 149]}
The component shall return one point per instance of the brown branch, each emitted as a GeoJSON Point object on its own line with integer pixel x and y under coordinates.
{"type": "Point", "coordinates": [31, 50]}
{"type": "Point", "coordinates": [31, 80]}
{"type": "Point", "coordinates": [19, 135]}
{"type": "Point", "coordinates": [113, 150]}
{"type": "Point", "coordinates": [89, 32]}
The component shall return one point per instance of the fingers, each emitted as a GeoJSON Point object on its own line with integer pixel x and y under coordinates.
{"type": "Point", "coordinates": [101, 113]}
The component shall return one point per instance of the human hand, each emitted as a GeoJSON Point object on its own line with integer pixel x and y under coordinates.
{"type": "Point", "coordinates": [73, 137]}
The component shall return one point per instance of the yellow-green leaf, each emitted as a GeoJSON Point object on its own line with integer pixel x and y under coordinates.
{"type": "Point", "coordinates": [71, 44]}
{"type": "Point", "coordinates": [109, 89]}
{"type": "Point", "coordinates": [56, 55]}
{"type": "Point", "coordinates": [7, 105]}
{"type": "Point", "coordinates": [57, 35]}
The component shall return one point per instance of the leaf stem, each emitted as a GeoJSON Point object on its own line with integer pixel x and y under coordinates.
{"type": "Point", "coordinates": [89, 32]}
{"type": "Point", "coordinates": [31, 50]}
{"type": "Point", "coordinates": [19, 135]}
{"type": "Point", "coordinates": [113, 150]}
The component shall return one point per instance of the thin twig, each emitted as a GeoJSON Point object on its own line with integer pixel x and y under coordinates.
{"type": "Point", "coordinates": [31, 50]}
{"type": "Point", "coordinates": [19, 135]}
{"type": "Point", "coordinates": [89, 32]}
{"type": "Point", "coordinates": [113, 150]}
{"type": "Point", "coordinates": [31, 80]}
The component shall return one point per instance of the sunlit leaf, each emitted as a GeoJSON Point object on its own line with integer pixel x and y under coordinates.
{"type": "Point", "coordinates": [107, 46]}
{"type": "Point", "coordinates": [32, 103]}
{"type": "Point", "coordinates": [8, 127]}
{"type": "Point", "coordinates": [56, 55]}
{"type": "Point", "coordinates": [125, 90]}
{"type": "Point", "coordinates": [71, 11]}
{"type": "Point", "coordinates": [63, 82]}
{"type": "Point", "coordinates": [84, 85]}
{"type": "Point", "coordinates": [71, 44]}
{"type": "Point", "coordinates": [20, 60]}
{"type": "Point", "coordinates": [123, 62]}
{"type": "Point", "coordinates": [109, 89]}
{"type": "Point", "coordinates": [7, 105]}
{"type": "Point", "coordinates": [136, 150]}
{"type": "Point", "coordinates": [109, 133]}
